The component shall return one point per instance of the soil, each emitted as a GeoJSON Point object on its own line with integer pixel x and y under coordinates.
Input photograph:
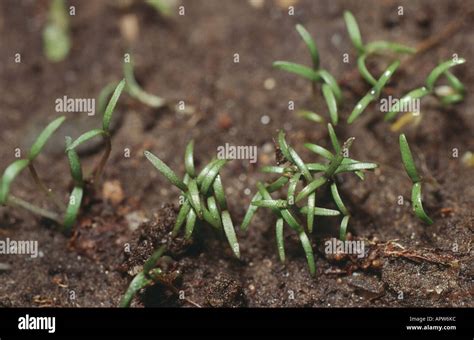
{"type": "Point", "coordinates": [191, 58]}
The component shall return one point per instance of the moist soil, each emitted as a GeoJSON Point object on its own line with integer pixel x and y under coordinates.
{"type": "Point", "coordinates": [191, 58]}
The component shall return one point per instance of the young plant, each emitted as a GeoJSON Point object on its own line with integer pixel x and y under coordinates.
{"type": "Point", "coordinates": [330, 89]}
{"type": "Point", "coordinates": [104, 132]}
{"type": "Point", "coordinates": [410, 168]}
{"type": "Point", "coordinates": [165, 7]}
{"type": "Point", "coordinates": [75, 199]}
{"type": "Point", "coordinates": [455, 91]}
{"type": "Point", "coordinates": [374, 93]}
{"type": "Point", "coordinates": [56, 39]}
{"type": "Point", "coordinates": [14, 169]}
{"type": "Point", "coordinates": [376, 47]}
{"type": "Point", "coordinates": [203, 200]}
{"type": "Point", "coordinates": [296, 171]}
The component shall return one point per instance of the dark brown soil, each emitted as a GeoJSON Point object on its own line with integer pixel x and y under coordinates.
{"type": "Point", "coordinates": [190, 58]}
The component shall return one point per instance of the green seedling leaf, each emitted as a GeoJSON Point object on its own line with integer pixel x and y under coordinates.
{"type": "Point", "coordinates": [334, 140]}
{"type": "Point", "coordinates": [278, 184]}
{"type": "Point", "coordinates": [311, 210]}
{"type": "Point", "coordinates": [104, 95]}
{"type": "Point", "coordinates": [9, 176]}
{"type": "Point", "coordinates": [343, 228]}
{"type": "Point", "coordinates": [298, 69]}
{"type": "Point", "coordinates": [454, 82]}
{"type": "Point", "coordinates": [317, 167]}
{"type": "Point", "coordinates": [385, 77]}
{"type": "Point", "coordinates": [354, 167]}
{"type": "Point", "coordinates": [332, 83]}
{"type": "Point", "coordinates": [291, 220]}
{"type": "Point", "coordinates": [308, 40]}
{"type": "Point", "coordinates": [280, 239]}
{"type": "Point", "coordinates": [321, 211]}
{"type": "Point", "coordinates": [165, 171]}
{"type": "Point", "coordinates": [189, 159]}
{"type": "Point", "coordinates": [309, 115]}
{"type": "Point", "coordinates": [205, 170]}
{"type": "Point", "coordinates": [300, 164]}
{"type": "Point", "coordinates": [277, 204]}
{"type": "Point", "coordinates": [319, 150]}
{"type": "Point", "coordinates": [382, 45]}
{"type": "Point", "coordinates": [308, 250]}
{"type": "Point", "coordinates": [211, 175]}
{"type": "Point", "coordinates": [190, 223]}
{"type": "Point", "coordinates": [364, 72]}
{"type": "Point", "coordinates": [292, 188]}
{"type": "Point", "coordinates": [439, 70]}
{"type": "Point", "coordinates": [214, 211]}
{"type": "Point", "coordinates": [250, 212]}
{"type": "Point", "coordinates": [274, 169]}
{"type": "Point", "coordinates": [407, 159]}
{"type": "Point", "coordinates": [354, 32]}
{"type": "Point", "coordinates": [183, 212]}
{"type": "Point", "coordinates": [418, 205]}
{"type": "Point", "coordinates": [310, 188]}
{"type": "Point", "coordinates": [284, 146]}
{"type": "Point", "coordinates": [109, 110]}
{"type": "Point", "coordinates": [85, 137]}
{"type": "Point", "coordinates": [338, 200]}
{"type": "Point", "coordinates": [44, 136]}
{"type": "Point", "coordinates": [137, 92]}
{"type": "Point", "coordinates": [194, 199]}
{"type": "Point", "coordinates": [219, 192]}
{"type": "Point", "coordinates": [331, 102]}
{"type": "Point", "coordinates": [230, 233]}
{"type": "Point", "coordinates": [73, 207]}
{"type": "Point", "coordinates": [74, 163]}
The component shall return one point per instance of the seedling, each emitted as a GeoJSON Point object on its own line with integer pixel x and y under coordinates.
{"type": "Point", "coordinates": [14, 169]}
{"type": "Point", "coordinates": [203, 199]}
{"type": "Point", "coordinates": [330, 89]}
{"type": "Point", "coordinates": [296, 171]}
{"type": "Point", "coordinates": [104, 132]}
{"type": "Point", "coordinates": [374, 93]}
{"type": "Point", "coordinates": [410, 168]}
{"type": "Point", "coordinates": [165, 7]}
{"type": "Point", "coordinates": [75, 199]}
{"type": "Point", "coordinates": [56, 39]}
{"type": "Point", "coordinates": [455, 91]}
{"type": "Point", "coordinates": [376, 47]}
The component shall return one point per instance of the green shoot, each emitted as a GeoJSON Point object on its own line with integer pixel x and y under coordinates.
{"type": "Point", "coordinates": [410, 168]}
{"type": "Point", "coordinates": [56, 39]}
{"type": "Point", "coordinates": [364, 51]}
{"type": "Point", "coordinates": [136, 91]}
{"type": "Point", "coordinates": [374, 93]}
{"type": "Point", "coordinates": [296, 171]}
{"type": "Point", "coordinates": [330, 89]}
{"type": "Point", "coordinates": [14, 169]}
{"type": "Point", "coordinates": [165, 7]}
{"type": "Point", "coordinates": [75, 198]}
{"type": "Point", "coordinates": [455, 94]}
{"type": "Point", "coordinates": [104, 132]}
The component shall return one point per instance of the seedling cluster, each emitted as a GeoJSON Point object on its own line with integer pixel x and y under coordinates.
{"type": "Point", "coordinates": [297, 171]}
{"type": "Point", "coordinates": [203, 200]}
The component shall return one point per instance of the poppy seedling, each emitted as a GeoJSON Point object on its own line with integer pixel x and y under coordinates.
{"type": "Point", "coordinates": [56, 39]}
{"type": "Point", "coordinates": [376, 47]}
{"type": "Point", "coordinates": [104, 132]}
{"type": "Point", "coordinates": [15, 168]}
{"type": "Point", "coordinates": [203, 199]}
{"type": "Point", "coordinates": [296, 171]}
{"type": "Point", "coordinates": [330, 89]}
{"type": "Point", "coordinates": [455, 91]}
{"type": "Point", "coordinates": [410, 168]}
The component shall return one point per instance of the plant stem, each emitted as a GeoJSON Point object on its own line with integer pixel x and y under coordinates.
{"type": "Point", "coordinates": [44, 188]}
{"type": "Point", "coordinates": [100, 167]}
{"type": "Point", "coordinates": [18, 202]}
